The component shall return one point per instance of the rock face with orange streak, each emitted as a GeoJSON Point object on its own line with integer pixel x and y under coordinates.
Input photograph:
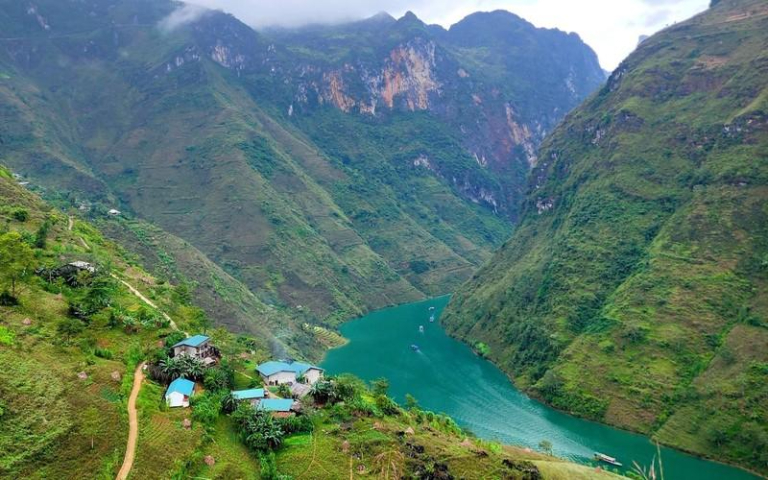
{"type": "Point", "coordinates": [409, 73]}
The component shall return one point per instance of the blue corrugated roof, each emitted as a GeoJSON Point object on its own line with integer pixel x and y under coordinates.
{"type": "Point", "coordinates": [276, 404]}
{"type": "Point", "coordinates": [272, 367]}
{"type": "Point", "coordinates": [195, 341]}
{"type": "Point", "coordinates": [248, 394]}
{"type": "Point", "coordinates": [181, 385]}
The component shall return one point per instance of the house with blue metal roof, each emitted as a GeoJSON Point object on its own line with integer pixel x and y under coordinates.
{"type": "Point", "coordinates": [276, 405]}
{"type": "Point", "coordinates": [198, 346]}
{"type": "Point", "coordinates": [179, 392]}
{"type": "Point", "coordinates": [288, 371]}
{"type": "Point", "coordinates": [253, 395]}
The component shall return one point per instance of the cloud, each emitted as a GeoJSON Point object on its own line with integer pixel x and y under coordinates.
{"type": "Point", "coordinates": [188, 13]}
{"type": "Point", "coordinates": [610, 27]}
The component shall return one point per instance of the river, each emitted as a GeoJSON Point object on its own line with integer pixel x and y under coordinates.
{"type": "Point", "coordinates": [446, 376]}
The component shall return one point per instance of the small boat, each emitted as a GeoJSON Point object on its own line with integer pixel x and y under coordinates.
{"type": "Point", "coordinates": [601, 457]}
{"type": "Point", "coordinates": [421, 328]}
{"type": "Point", "coordinates": [415, 347]}
{"type": "Point", "coordinates": [431, 308]}
{"type": "Point", "coordinates": [432, 318]}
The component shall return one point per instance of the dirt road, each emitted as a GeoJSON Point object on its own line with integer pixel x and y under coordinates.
{"type": "Point", "coordinates": [133, 424]}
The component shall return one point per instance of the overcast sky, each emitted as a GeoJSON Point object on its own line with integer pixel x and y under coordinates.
{"type": "Point", "coordinates": [611, 27]}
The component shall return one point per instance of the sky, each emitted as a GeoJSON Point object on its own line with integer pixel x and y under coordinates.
{"type": "Point", "coordinates": [611, 27]}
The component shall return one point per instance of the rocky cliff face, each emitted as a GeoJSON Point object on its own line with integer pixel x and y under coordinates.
{"type": "Point", "coordinates": [383, 68]}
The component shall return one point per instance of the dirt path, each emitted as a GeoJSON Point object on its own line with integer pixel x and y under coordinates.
{"type": "Point", "coordinates": [133, 424]}
{"type": "Point", "coordinates": [70, 224]}
{"type": "Point", "coordinates": [146, 300]}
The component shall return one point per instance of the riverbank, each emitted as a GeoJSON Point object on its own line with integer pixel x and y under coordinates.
{"type": "Point", "coordinates": [533, 394]}
{"type": "Point", "coordinates": [445, 375]}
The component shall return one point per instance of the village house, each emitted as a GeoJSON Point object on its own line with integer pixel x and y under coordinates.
{"type": "Point", "coordinates": [279, 407]}
{"type": "Point", "coordinates": [277, 373]}
{"type": "Point", "coordinates": [198, 346]}
{"type": "Point", "coordinates": [252, 396]}
{"type": "Point", "coordinates": [179, 392]}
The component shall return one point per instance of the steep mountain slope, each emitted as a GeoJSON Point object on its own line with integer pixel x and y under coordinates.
{"type": "Point", "coordinates": [634, 289]}
{"type": "Point", "coordinates": [69, 350]}
{"type": "Point", "coordinates": [250, 150]}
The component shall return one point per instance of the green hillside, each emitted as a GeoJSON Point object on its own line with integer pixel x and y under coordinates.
{"type": "Point", "coordinates": [327, 184]}
{"type": "Point", "coordinates": [634, 289]}
{"type": "Point", "coordinates": [69, 346]}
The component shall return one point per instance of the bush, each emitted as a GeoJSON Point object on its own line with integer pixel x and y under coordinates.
{"type": "Point", "coordinates": [206, 407]}
{"type": "Point", "coordinates": [104, 353]}
{"type": "Point", "coordinates": [387, 405]}
{"type": "Point", "coordinates": [219, 378]}
{"type": "Point", "coordinates": [258, 430]}
{"type": "Point", "coordinates": [8, 300]}
{"type": "Point", "coordinates": [70, 327]}
{"type": "Point", "coordinates": [20, 215]}
{"type": "Point", "coordinates": [296, 424]}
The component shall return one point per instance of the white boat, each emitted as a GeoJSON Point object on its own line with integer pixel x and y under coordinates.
{"type": "Point", "coordinates": [601, 457]}
{"type": "Point", "coordinates": [432, 318]}
{"type": "Point", "coordinates": [421, 328]}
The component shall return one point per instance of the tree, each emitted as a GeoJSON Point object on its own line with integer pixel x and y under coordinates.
{"type": "Point", "coordinates": [546, 446]}
{"type": "Point", "coordinates": [91, 423]}
{"type": "Point", "coordinates": [410, 402]}
{"type": "Point", "coordinates": [16, 260]}
{"type": "Point", "coordinates": [380, 386]}
{"type": "Point", "coordinates": [229, 403]}
{"type": "Point", "coordinates": [219, 378]}
{"type": "Point", "coordinates": [321, 391]}
{"type": "Point", "coordinates": [70, 327]}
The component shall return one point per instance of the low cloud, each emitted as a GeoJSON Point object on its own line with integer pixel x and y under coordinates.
{"type": "Point", "coordinates": [184, 15]}
{"type": "Point", "coordinates": [610, 27]}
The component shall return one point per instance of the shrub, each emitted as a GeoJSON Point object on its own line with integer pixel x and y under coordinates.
{"type": "Point", "coordinates": [104, 353]}
{"type": "Point", "coordinates": [296, 424]}
{"type": "Point", "coordinates": [387, 405]}
{"type": "Point", "coordinates": [218, 378]}
{"type": "Point", "coordinates": [206, 407]}
{"type": "Point", "coordinates": [20, 215]}
{"type": "Point", "coordinates": [6, 336]}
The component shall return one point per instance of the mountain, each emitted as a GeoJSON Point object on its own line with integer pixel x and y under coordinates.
{"type": "Point", "coordinates": [634, 289]}
{"type": "Point", "coordinates": [322, 171]}
{"type": "Point", "coordinates": [70, 347]}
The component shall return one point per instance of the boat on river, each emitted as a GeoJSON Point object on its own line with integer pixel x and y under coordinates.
{"type": "Point", "coordinates": [601, 457]}
{"type": "Point", "coordinates": [414, 347]}
{"type": "Point", "coordinates": [431, 309]}
{"type": "Point", "coordinates": [432, 318]}
{"type": "Point", "coordinates": [421, 328]}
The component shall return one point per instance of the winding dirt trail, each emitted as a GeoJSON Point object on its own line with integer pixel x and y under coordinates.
{"type": "Point", "coordinates": [146, 300]}
{"type": "Point", "coordinates": [133, 424]}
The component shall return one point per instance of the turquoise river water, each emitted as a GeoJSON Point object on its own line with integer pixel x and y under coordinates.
{"type": "Point", "coordinates": [446, 376]}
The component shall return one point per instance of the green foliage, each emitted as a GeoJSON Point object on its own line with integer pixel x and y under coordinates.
{"type": "Point", "coordinates": [20, 214]}
{"type": "Point", "coordinates": [634, 281]}
{"type": "Point", "coordinates": [219, 378]}
{"type": "Point", "coordinates": [258, 430]}
{"type": "Point", "coordinates": [380, 386]}
{"type": "Point", "coordinates": [206, 407]}
{"type": "Point", "coordinates": [16, 260]}
{"type": "Point", "coordinates": [6, 336]}
{"type": "Point", "coordinates": [284, 390]}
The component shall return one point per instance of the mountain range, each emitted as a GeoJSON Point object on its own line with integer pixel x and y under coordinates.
{"type": "Point", "coordinates": [634, 288]}
{"type": "Point", "coordinates": [322, 171]}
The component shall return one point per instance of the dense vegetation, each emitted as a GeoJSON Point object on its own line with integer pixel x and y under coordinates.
{"type": "Point", "coordinates": [70, 341]}
{"type": "Point", "coordinates": [222, 147]}
{"type": "Point", "coordinates": [634, 290]}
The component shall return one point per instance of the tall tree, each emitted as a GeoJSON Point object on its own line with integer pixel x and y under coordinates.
{"type": "Point", "coordinates": [16, 260]}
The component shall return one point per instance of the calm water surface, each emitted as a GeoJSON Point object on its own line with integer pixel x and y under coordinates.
{"type": "Point", "coordinates": [445, 376]}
